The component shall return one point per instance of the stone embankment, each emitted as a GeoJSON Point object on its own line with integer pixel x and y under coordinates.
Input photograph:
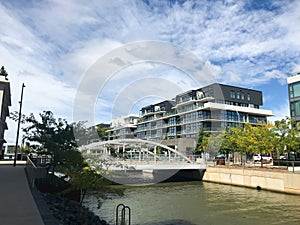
{"type": "Point", "coordinates": [69, 212]}
{"type": "Point", "coordinates": [261, 178]}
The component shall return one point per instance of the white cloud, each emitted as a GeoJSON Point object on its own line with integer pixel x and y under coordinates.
{"type": "Point", "coordinates": [280, 111]}
{"type": "Point", "coordinates": [296, 69]}
{"type": "Point", "coordinates": [276, 74]}
{"type": "Point", "coordinates": [77, 62]}
{"type": "Point", "coordinates": [49, 45]}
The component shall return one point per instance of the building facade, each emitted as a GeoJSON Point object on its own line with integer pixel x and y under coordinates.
{"type": "Point", "coordinates": [123, 128]}
{"type": "Point", "coordinates": [5, 102]}
{"type": "Point", "coordinates": [213, 108]}
{"type": "Point", "coordinates": [294, 96]}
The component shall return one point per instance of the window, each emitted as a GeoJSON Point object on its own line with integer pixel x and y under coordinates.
{"type": "Point", "coordinates": [242, 96]}
{"type": "Point", "coordinates": [295, 108]}
{"type": "Point", "coordinates": [232, 116]}
{"type": "Point", "coordinates": [294, 90]}
{"type": "Point", "coordinates": [248, 97]}
{"type": "Point", "coordinates": [238, 95]}
{"type": "Point", "coordinates": [232, 94]}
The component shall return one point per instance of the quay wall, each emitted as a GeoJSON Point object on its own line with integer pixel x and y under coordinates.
{"type": "Point", "coordinates": [268, 179]}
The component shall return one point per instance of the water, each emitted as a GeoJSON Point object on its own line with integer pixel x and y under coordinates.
{"type": "Point", "coordinates": [196, 203]}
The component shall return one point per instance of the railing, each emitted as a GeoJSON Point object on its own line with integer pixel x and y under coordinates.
{"type": "Point", "coordinates": [287, 163]}
{"type": "Point", "coordinates": [34, 172]}
{"type": "Point", "coordinates": [121, 218]}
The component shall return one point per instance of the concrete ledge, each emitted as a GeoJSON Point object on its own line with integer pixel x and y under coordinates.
{"type": "Point", "coordinates": [11, 162]}
{"type": "Point", "coordinates": [268, 179]}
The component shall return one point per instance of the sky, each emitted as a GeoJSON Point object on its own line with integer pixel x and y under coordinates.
{"type": "Point", "coordinates": [54, 46]}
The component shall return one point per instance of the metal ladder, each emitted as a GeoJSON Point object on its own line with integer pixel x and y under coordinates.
{"type": "Point", "coordinates": [121, 208]}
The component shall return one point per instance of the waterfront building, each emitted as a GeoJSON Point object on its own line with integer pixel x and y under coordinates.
{"type": "Point", "coordinates": [5, 102]}
{"type": "Point", "coordinates": [213, 108]}
{"type": "Point", "coordinates": [123, 128]}
{"type": "Point", "coordinates": [294, 96]}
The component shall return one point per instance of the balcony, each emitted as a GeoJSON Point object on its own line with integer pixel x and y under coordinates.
{"type": "Point", "coordinates": [191, 101]}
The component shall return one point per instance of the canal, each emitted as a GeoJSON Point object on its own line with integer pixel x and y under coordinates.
{"type": "Point", "coordinates": [196, 203]}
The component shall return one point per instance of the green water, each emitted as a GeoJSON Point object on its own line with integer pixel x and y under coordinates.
{"type": "Point", "coordinates": [203, 203]}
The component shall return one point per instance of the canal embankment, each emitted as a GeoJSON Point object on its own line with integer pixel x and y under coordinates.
{"type": "Point", "coordinates": [261, 178]}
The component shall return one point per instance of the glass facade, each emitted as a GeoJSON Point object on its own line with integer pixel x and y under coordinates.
{"type": "Point", "coordinates": [295, 108]}
{"type": "Point", "coordinates": [294, 90]}
{"type": "Point", "coordinates": [190, 112]}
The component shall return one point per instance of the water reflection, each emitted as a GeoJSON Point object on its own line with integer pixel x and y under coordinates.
{"type": "Point", "coordinates": [203, 203]}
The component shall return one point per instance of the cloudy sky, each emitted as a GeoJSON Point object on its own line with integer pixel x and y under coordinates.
{"type": "Point", "coordinates": [52, 45]}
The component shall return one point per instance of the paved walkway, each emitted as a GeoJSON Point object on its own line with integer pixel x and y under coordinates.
{"type": "Point", "coordinates": [17, 206]}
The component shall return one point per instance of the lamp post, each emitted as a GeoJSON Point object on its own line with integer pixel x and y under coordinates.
{"type": "Point", "coordinates": [18, 129]}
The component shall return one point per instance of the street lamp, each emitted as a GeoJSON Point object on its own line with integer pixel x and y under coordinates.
{"type": "Point", "coordinates": [18, 129]}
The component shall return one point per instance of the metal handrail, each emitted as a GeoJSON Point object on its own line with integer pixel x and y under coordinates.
{"type": "Point", "coordinates": [34, 172]}
{"type": "Point", "coordinates": [123, 214]}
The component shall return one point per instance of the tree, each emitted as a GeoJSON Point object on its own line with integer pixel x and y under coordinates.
{"type": "Point", "coordinates": [287, 132]}
{"type": "Point", "coordinates": [261, 139]}
{"type": "Point", "coordinates": [236, 140]}
{"type": "Point", "coordinates": [89, 181]}
{"type": "Point", "coordinates": [84, 135]}
{"type": "Point", "coordinates": [102, 132]}
{"type": "Point", "coordinates": [202, 140]}
{"type": "Point", "coordinates": [56, 137]}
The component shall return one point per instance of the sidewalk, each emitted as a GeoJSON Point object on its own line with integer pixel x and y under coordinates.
{"type": "Point", "coordinates": [17, 206]}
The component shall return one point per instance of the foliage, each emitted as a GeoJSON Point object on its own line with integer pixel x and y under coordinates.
{"type": "Point", "coordinates": [84, 135]}
{"type": "Point", "coordinates": [88, 180]}
{"type": "Point", "coordinates": [288, 135]}
{"type": "Point", "coordinates": [213, 142]}
{"type": "Point", "coordinates": [56, 137]}
{"type": "Point", "coordinates": [102, 132]}
{"type": "Point", "coordinates": [250, 139]}
{"type": "Point", "coordinates": [202, 140]}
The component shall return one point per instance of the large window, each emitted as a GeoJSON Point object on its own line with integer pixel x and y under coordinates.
{"type": "Point", "coordinates": [294, 90]}
{"type": "Point", "coordinates": [257, 119]}
{"type": "Point", "coordinates": [295, 108]}
{"type": "Point", "coordinates": [232, 94]}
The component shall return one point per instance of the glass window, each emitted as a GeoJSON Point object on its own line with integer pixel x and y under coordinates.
{"type": "Point", "coordinates": [232, 94]}
{"type": "Point", "coordinates": [238, 95]}
{"type": "Point", "coordinates": [248, 97]}
{"type": "Point", "coordinates": [295, 108]}
{"type": "Point", "coordinates": [294, 90]}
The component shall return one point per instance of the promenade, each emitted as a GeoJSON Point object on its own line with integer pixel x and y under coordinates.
{"type": "Point", "coordinates": [17, 206]}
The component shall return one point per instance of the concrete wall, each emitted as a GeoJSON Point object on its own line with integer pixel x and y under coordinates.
{"type": "Point", "coordinates": [182, 143]}
{"type": "Point", "coordinates": [282, 181]}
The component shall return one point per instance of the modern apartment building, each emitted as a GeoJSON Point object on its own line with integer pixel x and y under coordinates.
{"type": "Point", "coordinates": [294, 96]}
{"type": "Point", "coordinates": [214, 108]}
{"type": "Point", "coordinates": [5, 102]}
{"type": "Point", "coordinates": [123, 128]}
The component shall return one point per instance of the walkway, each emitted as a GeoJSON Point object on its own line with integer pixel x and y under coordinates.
{"type": "Point", "coordinates": [17, 206]}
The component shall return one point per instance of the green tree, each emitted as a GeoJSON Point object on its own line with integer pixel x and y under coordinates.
{"type": "Point", "coordinates": [288, 133]}
{"type": "Point", "coordinates": [236, 140]}
{"type": "Point", "coordinates": [202, 140]}
{"type": "Point", "coordinates": [56, 137]}
{"type": "Point", "coordinates": [102, 132]}
{"type": "Point", "coordinates": [89, 181]}
{"type": "Point", "coordinates": [261, 139]}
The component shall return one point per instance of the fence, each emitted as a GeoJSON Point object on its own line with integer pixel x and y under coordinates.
{"type": "Point", "coordinates": [287, 163]}
{"type": "Point", "coordinates": [34, 172]}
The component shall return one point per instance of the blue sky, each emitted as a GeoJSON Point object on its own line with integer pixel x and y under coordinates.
{"type": "Point", "coordinates": [50, 46]}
